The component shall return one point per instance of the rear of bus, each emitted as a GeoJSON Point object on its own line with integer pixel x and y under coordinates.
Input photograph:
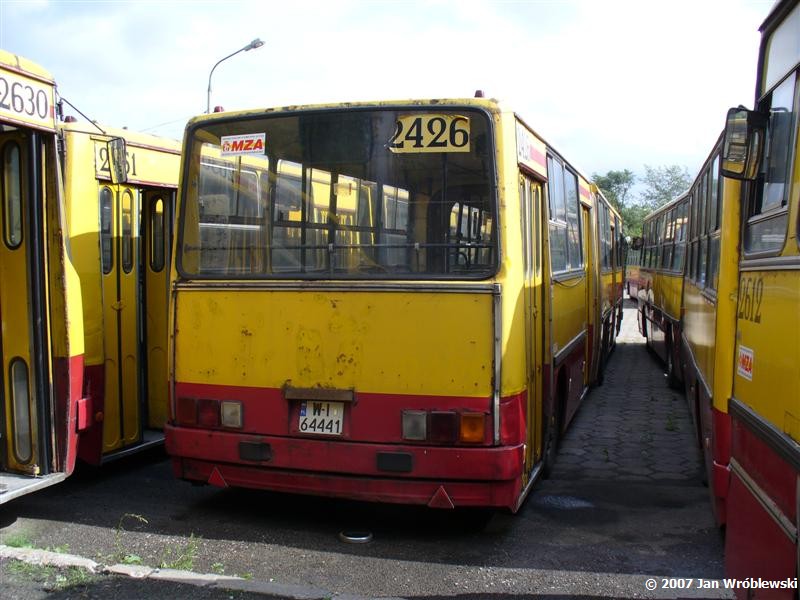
{"type": "Point", "coordinates": [41, 344]}
{"type": "Point", "coordinates": [335, 312]}
{"type": "Point", "coordinates": [633, 261]}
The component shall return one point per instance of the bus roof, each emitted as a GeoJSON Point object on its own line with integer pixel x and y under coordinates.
{"type": "Point", "coordinates": [132, 138]}
{"type": "Point", "coordinates": [23, 66]}
{"type": "Point", "coordinates": [30, 94]}
{"type": "Point", "coordinates": [490, 104]}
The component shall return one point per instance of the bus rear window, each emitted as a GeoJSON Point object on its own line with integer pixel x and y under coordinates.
{"type": "Point", "coordinates": [342, 194]}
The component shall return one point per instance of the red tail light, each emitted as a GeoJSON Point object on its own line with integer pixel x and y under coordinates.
{"type": "Point", "coordinates": [208, 413]}
{"type": "Point", "coordinates": [444, 427]}
{"type": "Point", "coordinates": [187, 411]}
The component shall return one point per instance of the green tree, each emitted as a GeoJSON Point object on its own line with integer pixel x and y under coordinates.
{"type": "Point", "coordinates": [616, 185]}
{"type": "Point", "coordinates": [632, 219]}
{"type": "Point", "coordinates": [662, 184]}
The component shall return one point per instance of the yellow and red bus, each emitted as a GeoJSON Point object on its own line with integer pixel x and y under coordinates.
{"type": "Point", "coordinates": [120, 234]}
{"type": "Point", "coordinates": [611, 247]}
{"type": "Point", "coordinates": [41, 344]}
{"type": "Point", "coordinates": [762, 148]}
{"type": "Point", "coordinates": [660, 290]}
{"type": "Point", "coordinates": [633, 265]}
{"type": "Point", "coordinates": [708, 325]}
{"type": "Point", "coordinates": [392, 301]}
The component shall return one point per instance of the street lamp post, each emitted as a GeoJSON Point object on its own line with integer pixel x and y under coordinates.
{"type": "Point", "coordinates": [256, 43]}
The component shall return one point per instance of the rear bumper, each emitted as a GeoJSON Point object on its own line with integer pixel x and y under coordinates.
{"type": "Point", "coordinates": [442, 477]}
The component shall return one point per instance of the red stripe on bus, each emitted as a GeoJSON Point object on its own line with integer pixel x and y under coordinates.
{"type": "Point", "coordinates": [501, 494]}
{"type": "Point", "coordinates": [769, 471]}
{"type": "Point", "coordinates": [68, 391]}
{"type": "Point", "coordinates": [540, 158]}
{"type": "Point", "coordinates": [90, 445]}
{"type": "Point", "coordinates": [377, 415]}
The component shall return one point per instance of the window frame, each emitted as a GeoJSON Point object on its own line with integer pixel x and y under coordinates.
{"type": "Point", "coordinates": [754, 213]}
{"type": "Point", "coordinates": [17, 197]}
{"type": "Point", "coordinates": [558, 174]}
{"type": "Point", "coordinates": [488, 152]}
{"type": "Point", "coordinates": [106, 234]}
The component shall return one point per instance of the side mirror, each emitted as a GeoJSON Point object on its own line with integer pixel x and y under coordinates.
{"type": "Point", "coordinates": [743, 143]}
{"type": "Point", "coordinates": [117, 160]}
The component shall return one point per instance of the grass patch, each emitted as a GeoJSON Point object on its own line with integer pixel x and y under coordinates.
{"type": "Point", "coordinates": [51, 578]}
{"type": "Point", "coordinates": [121, 555]}
{"type": "Point", "coordinates": [180, 557]}
{"type": "Point", "coordinates": [17, 540]}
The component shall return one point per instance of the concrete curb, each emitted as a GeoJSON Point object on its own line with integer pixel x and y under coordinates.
{"type": "Point", "coordinates": [46, 557]}
{"type": "Point", "coordinates": [206, 580]}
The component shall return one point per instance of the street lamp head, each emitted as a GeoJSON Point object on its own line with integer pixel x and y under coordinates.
{"type": "Point", "coordinates": [256, 43]}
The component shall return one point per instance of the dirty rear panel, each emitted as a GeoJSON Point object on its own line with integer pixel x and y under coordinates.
{"type": "Point", "coordinates": [382, 350]}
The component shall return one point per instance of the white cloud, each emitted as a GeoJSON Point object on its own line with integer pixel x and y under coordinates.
{"type": "Point", "coordinates": [613, 84]}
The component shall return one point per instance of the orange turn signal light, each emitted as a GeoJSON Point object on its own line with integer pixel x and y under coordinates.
{"type": "Point", "coordinates": [473, 427]}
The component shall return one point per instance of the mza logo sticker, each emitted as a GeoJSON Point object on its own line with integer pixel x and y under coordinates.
{"type": "Point", "coordinates": [253, 143]}
{"type": "Point", "coordinates": [744, 363]}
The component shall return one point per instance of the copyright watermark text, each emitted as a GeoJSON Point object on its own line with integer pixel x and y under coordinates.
{"type": "Point", "coordinates": [697, 583]}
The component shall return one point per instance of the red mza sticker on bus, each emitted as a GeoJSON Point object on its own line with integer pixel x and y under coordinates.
{"type": "Point", "coordinates": [744, 363]}
{"type": "Point", "coordinates": [253, 143]}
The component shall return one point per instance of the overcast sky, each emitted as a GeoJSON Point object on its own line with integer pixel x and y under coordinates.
{"type": "Point", "coordinates": [610, 84]}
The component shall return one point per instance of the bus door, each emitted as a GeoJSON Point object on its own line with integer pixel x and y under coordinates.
{"type": "Point", "coordinates": [531, 200]}
{"type": "Point", "coordinates": [119, 237]}
{"type": "Point", "coordinates": [25, 393]}
{"type": "Point", "coordinates": [156, 228]}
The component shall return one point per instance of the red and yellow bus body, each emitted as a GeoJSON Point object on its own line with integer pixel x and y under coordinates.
{"type": "Point", "coordinates": [633, 262]}
{"type": "Point", "coordinates": [362, 302]}
{"type": "Point", "coordinates": [42, 332]}
{"type": "Point", "coordinates": [610, 248]}
{"type": "Point", "coordinates": [120, 234]}
{"type": "Point", "coordinates": [661, 294]}
{"type": "Point", "coordinates": [763, 517]}
{"type": "Point", "coordinates": [707, 337]}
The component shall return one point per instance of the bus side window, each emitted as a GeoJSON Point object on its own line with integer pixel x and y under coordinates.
{"type": "Point", "coordinates": [157, 234]}
{"type": "Point", "coordinates": [127, 231]}
{"type": "Point", "coordinates": [714, 206]}
{"type": "Point", "coordinates": [558, 215]}
{"type": "Point", "coordinates": [702, 255]}
{"type": "Point", "coordinates": [765, 230]}
{"type": "Point", "coordinates": [12, 195]}
{"type": "Point", "coordinates": [680, 236]}
{"type": "Point", "coordinates": [106, 229]}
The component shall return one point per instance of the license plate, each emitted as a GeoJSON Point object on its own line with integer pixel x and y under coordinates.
{"type": "Point", "coordinates": [321, 418]}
